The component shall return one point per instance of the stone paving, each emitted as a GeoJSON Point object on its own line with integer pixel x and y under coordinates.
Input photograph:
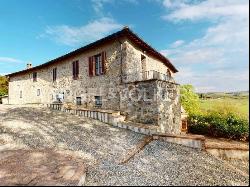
{"type": "Point", "coordinates": [102, 147]}
{"type": "Point", "coordinates": [45, 168]}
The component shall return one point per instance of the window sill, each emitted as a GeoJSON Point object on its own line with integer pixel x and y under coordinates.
{"type": "Point", "coordinates": [98, 106]}
{"type": "Point", "coordinates": [97, 75]}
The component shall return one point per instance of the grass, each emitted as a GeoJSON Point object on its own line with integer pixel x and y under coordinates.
{"type": "Point", "coordinates": [239, 105]}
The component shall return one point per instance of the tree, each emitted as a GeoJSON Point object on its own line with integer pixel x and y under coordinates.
{"type": "Point", "coordinates": [3, 85]}
{"type": "Point", "coordinates": [189, 99]}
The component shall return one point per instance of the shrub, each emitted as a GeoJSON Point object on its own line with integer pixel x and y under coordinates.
{"type": "Point", "coordinates": [189, 99]}
{"type": "Point", "coordinates": [217, 125]}
{"type": "Point", "coordinates": [3, 85]}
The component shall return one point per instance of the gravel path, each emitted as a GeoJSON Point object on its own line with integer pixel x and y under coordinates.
{"type": "Point", "coordinates": [102, 147]}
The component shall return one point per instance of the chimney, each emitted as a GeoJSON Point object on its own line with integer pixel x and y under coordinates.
{"type": "Point", "coordinates": [29, 65]}
{"type": "Point", "coordinates": [125, 27]}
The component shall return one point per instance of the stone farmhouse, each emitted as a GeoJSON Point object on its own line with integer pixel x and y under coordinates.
{"type": "Point", "coordinates": [120, 72]}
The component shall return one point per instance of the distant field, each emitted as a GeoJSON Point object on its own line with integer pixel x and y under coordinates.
{"type": "Point", "coordinates": [241, 104]}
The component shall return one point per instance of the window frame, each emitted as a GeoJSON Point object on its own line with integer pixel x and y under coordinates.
{"type": "Point", "coordinates": [54, 74]}
{"type": "Point", "coordinates": [98, 64]}
{"type": "Point", "coordinates": [78, 101]}
{"type": "Point", "coordinates": [75, 69]}
{"type": "Point", "coordinates": [98, 101]}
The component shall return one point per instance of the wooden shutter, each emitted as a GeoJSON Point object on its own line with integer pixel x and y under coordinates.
{"type": "Point", "coordinates": [55, 74]}
{"type": "Point", "coordinates": [73, 69]}
{"type": "Point", "coordinates": [35, 76]}
{"type": "Point", "coordinates": [90, 66]}
{"type": "Point", "coordinates": [93, 65]}
{"type": "Point", "coordinates": [103, 62]}
{"type": "Point", "coordinates": [77, 69]}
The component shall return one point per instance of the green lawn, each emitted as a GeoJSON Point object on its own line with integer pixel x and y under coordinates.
{"type": "Point", "coordinates": [239, 104]}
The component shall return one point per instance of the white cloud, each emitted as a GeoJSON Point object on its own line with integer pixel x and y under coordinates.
{"type": "Point", "coordinates": [98, 4]}
{"type": "Point", "coordinates": [217, 80]}
{"type": "Point", "coordinates": [174, 3]}
{"type": "Point", "coordinates": [90, 32]}
{"type": "Point", "coordinates": [207, 9]}
{"type": "Point", "coordinates": [177, 43]}
{"type": "Point", "coordinates": [9, 60]}
{"type": "Point", "coordinates": [203, 55]}
{"type": "Point", "coordinates": [218, 60]}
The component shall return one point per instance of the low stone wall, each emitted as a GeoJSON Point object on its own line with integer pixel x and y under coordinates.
{"type": "Point", "coordinates": [110, 117]}
{"type": "Point", "coordinates": [193, 141]}
{"type": "Point", "coordinates": [137, 127]}
{"type": "Point", "coordinates": [229, 153]}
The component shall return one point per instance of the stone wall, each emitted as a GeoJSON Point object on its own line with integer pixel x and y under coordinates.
{"type": "Point", "coordinates": [85, 87]}
{"type": "Point", "coordinates": [153, 102]}
{"type": "Point", "coordinates": [139, 103]}
{"type": "Point", "coordinates": [169, 107]}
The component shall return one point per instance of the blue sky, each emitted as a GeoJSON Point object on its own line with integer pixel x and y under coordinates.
{"type": "Point", "coordinates": [207, 40]}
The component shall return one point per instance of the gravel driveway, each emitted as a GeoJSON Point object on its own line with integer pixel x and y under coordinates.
{"type": "Point", "coordinates": [102, 147]}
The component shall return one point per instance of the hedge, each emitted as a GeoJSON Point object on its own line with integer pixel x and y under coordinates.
{"type": "Point", "coordinates": [216, 125]}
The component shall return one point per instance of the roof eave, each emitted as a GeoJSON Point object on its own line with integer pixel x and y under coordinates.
{"type": "Point", "coordinates": [123, 33]}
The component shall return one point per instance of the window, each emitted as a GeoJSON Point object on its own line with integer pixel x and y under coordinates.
{"type": "Point", "coordinates": [54, 74]}
{"type": "Point", "coordinates": [97, 64]}
{"type": "Point", "coordinates": [60, 97]}
{"type": "Point", "coordinates": [78, 101]}
{"type": "Point", "coordinates": [38, 92]}
{"type": "Point", "coordinates": [75, 66]}
{"type": "Point", "coordinates": [34, 76]}
{"type": "Point", "coordinates": [98, 101]}
{"type": "Point", "coordinates": [21, 94]}
{"type": "Point", "coordinates": [144, 66]}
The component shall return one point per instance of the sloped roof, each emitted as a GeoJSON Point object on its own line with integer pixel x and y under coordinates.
{"type": "Point", "coordinates": [125, 32]}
